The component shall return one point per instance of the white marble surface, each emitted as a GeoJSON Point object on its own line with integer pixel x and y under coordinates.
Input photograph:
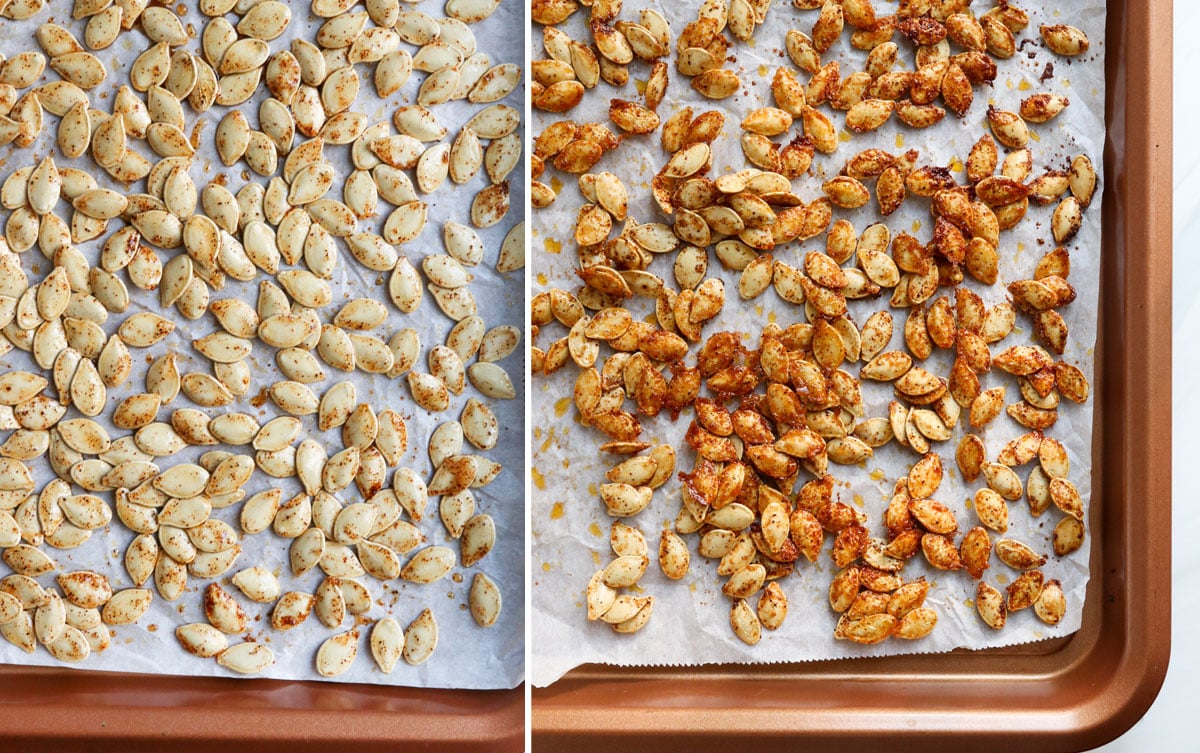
{"type": "Point", "coordinates": [1169, 726]}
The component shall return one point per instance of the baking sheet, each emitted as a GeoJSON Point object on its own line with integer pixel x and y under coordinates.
{"type": "Point", "coordinates": [467, 657]}
{"type": "Point", "coordinates": [570, 527]}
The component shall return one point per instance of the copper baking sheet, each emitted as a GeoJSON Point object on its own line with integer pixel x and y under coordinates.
{"type": "Point", "coordinates": [1073, 693]}
{"type": "Point", "coordinates": [70, 710]}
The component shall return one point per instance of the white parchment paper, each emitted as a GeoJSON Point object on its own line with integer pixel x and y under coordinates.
{"type": "Point", "coordinates": [467, 656]}
{"type": "Point", "coordinates": [690, 623]}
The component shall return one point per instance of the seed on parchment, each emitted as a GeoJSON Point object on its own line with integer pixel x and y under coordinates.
{"type": "Point", "coordinates": [1051, 604]}
{"type": "Point", "coordinates": [420, 638]}
{"type": "Point", "coordinates": [1024, 592]}
{"type": "Point", "coordinates": [337, 654]}
{"type": "Point", "coordinates": [246, 658]}
{"type": "Point", "coordinates": [428, 565]}
{"type": "Point", "coordinates": [222, 610]}
{"type": "Point", "coordinates": [1064, 40]}
{"type": "Point", "coordinates": [1068, 536]}
{"type": "Point", "coordinates": [484, 600]}
{"type": "Point", "coordinates": [27, 560]}
{"type": "Point", "coordinates": [1003, 480]}
{"type": "Point", "coordinates": [673, 555]}
{"type": "Point", "coordinates": [127, 606]}
{"type": "Point", "coordinates": [387, 643]}
{"type": "Point", "coordinates": [294, 398]}
{"type": "Point", "coordinates": [50, 619]}
{"type": "Point", "coordinates": [445, 442]}
{"type": "Point", "coordinates": [772, 606]}
{"type": "Point", "coordinates": [428, 391]}
{"type": "Point", "coordinates": [491, 380]}
{"type": "Point", "coordinates": [356, 596]}
{"type": "Point", "coordinates": [629, 614]}
{"type": "Point", "coordinates": [258, 584]}
{"type": "Point", "coordinates": [410, 492]}
{"type": "Point", "coordinates": [201, 639]}
{"type": "Point", "coordinates": [85, 588]}
{"type": "Point", "coordinates": [72, 645]}
{"type": "Point", "coordinates": [745, 622]}
{"type": "Point", "coordinates": [478, 539]}
{"type": "Point", "coordinates": [19, 386]}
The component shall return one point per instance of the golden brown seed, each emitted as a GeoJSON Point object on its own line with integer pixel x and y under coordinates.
{"type": "Point", "coordinates": [991, 605]}
{"type": "Point", "coordinates": [1064, 40]}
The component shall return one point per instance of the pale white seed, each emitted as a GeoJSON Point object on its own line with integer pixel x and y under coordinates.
{"type": "Point", "coordinates": [265, 20]}
{"type": "Point", "coordinates": [498, 343]}
{"type": "Point", "coordinates": [127, 606]}
{"type": "Point", "coordinates": [428, 565]}
{"type": "Point", "coordinates": [387, 643]}
{"type": "Point", "coordinates": [420, 638]}
{"type": "Point", "coordinates": [292, 609]}
{"type": "Point", "coordinates": [337, 654]}
{"type": "Point", "coordinates": [258, 584]}
{"type": "Point", "coordinates": [246, 658]}
{"type": "Point", "coordinates": [201, 639]}
{"type": "Point", "coordinates": [293, 397]}
{"type": "Point", "coordinates": [491, 380]}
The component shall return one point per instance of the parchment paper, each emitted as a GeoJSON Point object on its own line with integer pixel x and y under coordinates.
{"type": "Point", "coordinates": [690, 622]}
{"type": "Point", "coordinates": [467, 656]}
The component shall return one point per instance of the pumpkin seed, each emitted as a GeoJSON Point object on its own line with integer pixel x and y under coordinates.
{"type": "Point", "coordinates": [246, 658]}
{"type": "Point", "coordinates": [420, 638]}
{"type": "Point", "coordinates": [201, 639]}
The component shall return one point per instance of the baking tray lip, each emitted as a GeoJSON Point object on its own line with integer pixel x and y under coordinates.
{"type": "Point", "coordinates": [551, 723]}
{"type": "Point", "coordinates": [1139, 192]}
{"type": "Point", "coordinates": [268, 714]}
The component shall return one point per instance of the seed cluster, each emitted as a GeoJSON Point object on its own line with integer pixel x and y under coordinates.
{"type": "Point", "coordinates": [770, 411]}
{"type": "Point", "coordinates": [168, 247]}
